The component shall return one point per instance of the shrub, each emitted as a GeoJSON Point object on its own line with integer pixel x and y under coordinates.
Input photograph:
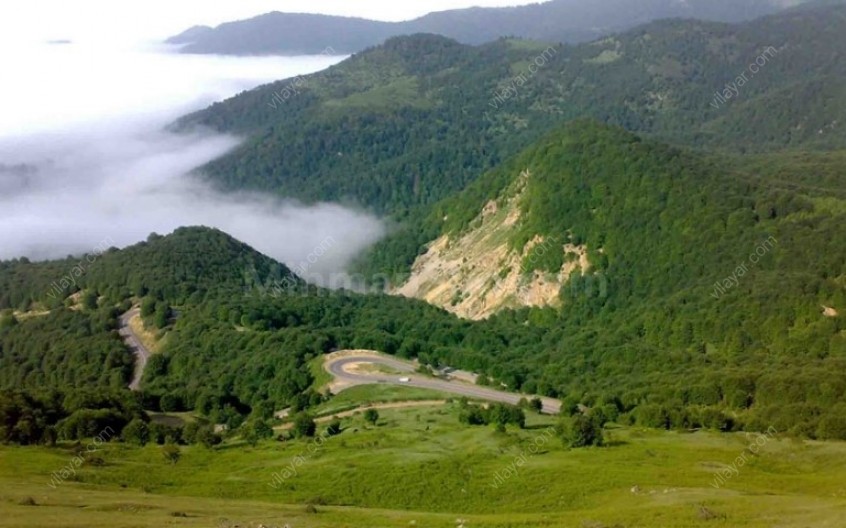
{"type": "Point", "coordinates": [472, 415]}
{"type": "Point", "coordinates": [171, 402]}
{"type": "Point", "coordinates": [832, 426]}
{"type": "Point", "coordinates": [371, 415]}
{"type": "Point", "coordinates": [536, 404]}
{"type": "Point", "coordinates": [651, 415]}
{"type": "Point", "coordinates": [207, 437]}
{"type": "Point", "coordinates": [582, 431]}
{"type": "Point", "coordinates": [257, 430]}
{"type": "Point", "coordinates": [136, 432]}
{"type": "Point", "coordinates": [334, 427]}
{"type": "Point", "coordinates": [304, 426]}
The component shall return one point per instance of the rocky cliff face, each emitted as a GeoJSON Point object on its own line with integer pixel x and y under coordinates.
{"type": "Point", "coordinates": [478, 272]}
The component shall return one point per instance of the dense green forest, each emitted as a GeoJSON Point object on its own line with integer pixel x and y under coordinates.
{"type": "Point", "coordinates": [659, 347]}
{"type": "Point", "coordinates": [185, 266]}
{"type": "Point", "coordinates": [412, 121]}
{"type": "Point", "coordinates": [64, 348]}
{"type": "Point", "coordinates": [47, 415]}
{"type": "Point", "coordinates": [663, 226]}
{"type": "Point", "coordinates": [96, 415]}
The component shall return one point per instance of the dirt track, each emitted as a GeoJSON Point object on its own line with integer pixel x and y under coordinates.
{"type": "Point", "coordinates": [138, 349]}
{"type": "Point", "coordinates": [337, 364]}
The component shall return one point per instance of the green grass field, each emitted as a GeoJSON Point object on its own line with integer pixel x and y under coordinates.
{"type": "Point", "coordinates": [322, 379]}
{"type": "Point", "coordinates": [420, 467]}
{"type": "Point", "coordinates": [367, 394]}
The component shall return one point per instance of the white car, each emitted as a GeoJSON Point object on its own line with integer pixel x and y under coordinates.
{"type": "Point", "coordinates": [404, 380]}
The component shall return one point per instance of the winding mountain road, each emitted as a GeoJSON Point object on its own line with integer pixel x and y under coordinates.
{"type": "Point", "coordinates": [341, 365]}
{"type": "Point", "coordinates": [138, 349]}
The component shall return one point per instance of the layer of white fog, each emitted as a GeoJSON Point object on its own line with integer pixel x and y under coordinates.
{"type": "Point", "coordinates": [84, 158]}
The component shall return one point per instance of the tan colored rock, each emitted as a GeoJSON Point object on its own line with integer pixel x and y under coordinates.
{"type": "Point", "coordinates": [478, 273]}
{"type": "Point", "coordinates": [828, 311]}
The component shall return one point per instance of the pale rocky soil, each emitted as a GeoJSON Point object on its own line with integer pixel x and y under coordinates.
{"type": "Point", "coordinates": [477, 273]}
{"type": "Point", "coordinates": [23, 316]}
{"type": "Point", "coordinates": [147, 337]}
{"type": "Point", "coordinates": [365, 368]}
{"type": "Point", "coordinates": [76, 301]}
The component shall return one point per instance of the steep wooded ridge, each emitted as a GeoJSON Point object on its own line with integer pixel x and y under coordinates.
{"type": "Point", "coordinates": [658, 221]}
{"type": "Point", "coordinates": [556, 21]}
{"type": "Point", "coordinates": [412, 121]}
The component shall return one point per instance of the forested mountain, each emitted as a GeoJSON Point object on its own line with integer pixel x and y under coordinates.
{"type": "Point", "coordinates": [189, 35]}
{"type": "Point", "coordinates": [689, 329]}
{"type": "Point", "coordinates": [697, 262]}
{"type": "Point", "coordinates": [714, 293]}
{"type": "Point", "coordinates": [568, 21]}
{"type": "Point", "coordinates": [243, 324]}
{"type": "Point", "coordinates": [412, 121]}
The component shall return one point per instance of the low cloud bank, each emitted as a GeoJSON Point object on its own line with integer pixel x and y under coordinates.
{"type": "Point", "coordinates": [62, 194]}
{"type": "Point", "coordinates": [84, 158]}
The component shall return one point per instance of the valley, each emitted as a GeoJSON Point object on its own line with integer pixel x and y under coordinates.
{"type": "Point", "coordinates": [570, 264]}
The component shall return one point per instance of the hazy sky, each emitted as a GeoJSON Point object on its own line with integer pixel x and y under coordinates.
{"type": "Point", "coordinates": [156, 19]}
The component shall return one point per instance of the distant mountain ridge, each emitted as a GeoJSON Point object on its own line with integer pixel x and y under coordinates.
{"type": "Point", "coordinates": [567, 21]}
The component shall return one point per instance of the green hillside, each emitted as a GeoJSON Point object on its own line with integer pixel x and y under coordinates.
{"type": "Point", "coordinates": [689, 330]}
{"type": "Point", "coordinates": [643, 236]}
{"type": "Point", "coordinates": [698, 263]}
{"type": "Point", "coordinates": [410, 122]}
{"type": "Point", "coordinates": [189, 263]}
{"type": "Point", "coordinates": [241, 326]}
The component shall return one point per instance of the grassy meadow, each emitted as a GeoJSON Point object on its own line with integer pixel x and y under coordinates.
{"type": "Point", "coordinates": [420, 467]}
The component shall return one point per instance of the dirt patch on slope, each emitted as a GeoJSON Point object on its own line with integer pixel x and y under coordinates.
{"type": "Point", "coordinates": [478, 273]}
{"type": "Point", "coordinates": [828, 311]}
{"type": "Point", "coordinates": [147, 337]}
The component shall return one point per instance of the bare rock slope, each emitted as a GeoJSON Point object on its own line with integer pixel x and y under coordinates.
{"type": "Point", "coordinates": [479, 272]}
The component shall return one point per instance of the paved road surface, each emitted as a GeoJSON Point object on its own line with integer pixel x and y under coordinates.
{"type": "Point", "coordinates": [134, 344]}
{"type": "Point", "coordinates": [336, 367]}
